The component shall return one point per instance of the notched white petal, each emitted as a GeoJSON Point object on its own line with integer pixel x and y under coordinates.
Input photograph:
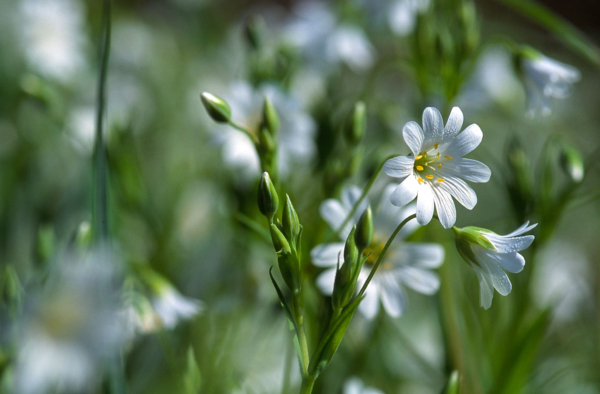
{"type": "Point", "coordinates": [399, 167]}
{"type": "Point", "coordinates": [405, 192]}
{"type": "Point", "coordinates": [413, 136]}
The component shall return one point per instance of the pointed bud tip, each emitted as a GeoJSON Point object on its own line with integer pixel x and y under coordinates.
{"type": "Point", "coordinates": [364, 230]}
{"type": "Point", "coordinates": [217, 108]}
{"type": "Point", "coordinates": [268, 200]}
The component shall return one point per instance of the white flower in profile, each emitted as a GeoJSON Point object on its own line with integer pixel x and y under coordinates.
{"type": "Point", "coordinates": [54, 38]}
{"type": "Point", "coordinates": [356, 386]}
{"type": "Point", "coordinates": [406, 263]}
{"type": "Point", "coordinates": [402, 16]}
{"type": "Point", "coordinates": [324, 42]}
{"type": "Point", "coordinates": [172, 307]}
{"type": "Point", "coordinates": [489, 253]}
{"type": "Point", "coordinates": [71, 330]}
{"type": "Point", "coordinates": [296, 131]}
{"type": "Point", "coordinates": [436, 171]}
{"type": "Point", "coordinates": [544, 79]}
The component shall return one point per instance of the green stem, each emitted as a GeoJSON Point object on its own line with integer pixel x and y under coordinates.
{"type": "Point", "coordinates": [297, 300]}
{"type": "Point", "coordinates": [383, 252]}
{"type": "Point", "coordinates": [100, 195]}
{"type": "Point", "coordinates": [307, 385]}
{"type": "Point", "coordinates": [362, 197]}
{"type": "Point", "coordinates": [244, 130]}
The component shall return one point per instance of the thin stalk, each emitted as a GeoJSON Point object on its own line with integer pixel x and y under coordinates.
{"type": "Point", "coordinates": [307, 385]}
{"type": "Point", "coordinates": [100, 194]}
{"type": "Point", "coordinates": [362, 197]}
{"type": "Point", "coordinates": [297, 300]}
{"type": "Point", "coordinates": [287, 367]}
{"type": "Point", "coordinates": [383, 253]}
{"type": "Point", "coordinates": [244, 130]}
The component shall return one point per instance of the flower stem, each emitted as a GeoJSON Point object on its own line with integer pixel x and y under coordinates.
{"type": "Point", "coordinates": [307, 384]}
{"type": "Point", "coordinates": [243, 130]}
{"type": "Point", "coordinates": [297, 300]}
{"type": "Point", "coordinates": [383, 252]}
{"type": "Point", "coordinates": [362, 197]}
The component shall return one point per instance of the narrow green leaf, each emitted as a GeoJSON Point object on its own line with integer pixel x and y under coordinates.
{"type": "Point", "coordinates": [192, 379]}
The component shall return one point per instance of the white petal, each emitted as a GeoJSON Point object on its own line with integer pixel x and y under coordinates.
{"type": "Point", "coordinates": [486, 291]}
{"type": "Point", "coordinates": [454, 124]}
{"type": "Point", "coordinates": [399, 167]}
{"type": "Point", "coordinates": [413, 136]}
{"type": "Point", "coordinates": [353, 386]}
{"type": "Point", "coordinates": [512, 262]}
{"type": "Point", "coordinates": [370, 390]}
{"type": "Point", "coordinates": [405, 192]}
{"type": "Point", "coordinates": [393, 297]}
{"type": "Point", "coordinates": [370, 304]}
{"type": "Point", "coordinates": [499, 278]}
{"type": "Point", "coordinates": [445, 207]}
{"type": "Point", "coordinates": [420, 280]}
{"type": "Point", "coordinates": [464, 143]}
{"type": "Point", "coordinates": [433, 127]}
{"type": "Point", "coordinates": [326, 280]}
{"type": "Point", "coordinates": [350, 196]}
{"type": "Point", "coordinates": [467, 169]}
{"type": "Point", "coordinates": [425, 204]}
{"type": "Point", "coordinates": [326, 255]}
{"type": "Point", "coordinates": [523, 229]}
{"type": "Point", "coordinates": [506, 244]}
{"type": "Point", "coordinates": [458, 189]}
{"type": "Point", "coordinates": [333, 213]}
{"type": "Point", "coordinates": [423, 255]}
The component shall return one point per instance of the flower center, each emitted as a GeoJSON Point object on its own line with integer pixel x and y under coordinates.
{"type": "Point", "coordinates": [426, 164]}
{"type": "Point", "coordinates": [375, 251]}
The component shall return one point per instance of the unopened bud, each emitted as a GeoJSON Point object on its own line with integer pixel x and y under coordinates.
{"type": "Point", "coordinates": [345, 278]}
{"type": "Point", "coordinates": [266, 143]}
{"type": "Point", "coordinates": [254, 28]}
{"type": "Point", "coordinates": [217, 108]}
{"type": "Point", "coordinates": [355, 131]}
{"type": "Point", "coordinates": [291, 223]}
{"type": "Point", "coordinates": [572, 163]}
{"type": "Point", "coordinates": [364, 230]}
{"type": "Point", "coordinates": [279, 241]}
{"type": "Point", "coordinates": [270, 118]}
{"type": "Point", "coordinates": [268, 200]}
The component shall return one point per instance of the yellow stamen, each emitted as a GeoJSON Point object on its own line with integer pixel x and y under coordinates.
{"type": "Point", "coordinates": [448, 157]}
{"type": "Point", "coordinates": [429, 176]}
{"type": "Point", "coordinates": [440, 179]}
{"type": "Point", "coordinates": [437, 156]}
{"type": "Point", "coordinates": [440, 165]}
{"type": "Point", "coordinates": [419, 168]}
{"type": "Point", "coordinates": [436, 146]}
{"type": "Point", "coordinates": [419, 157]}
{"type": "Point", "coordinates": [421, 180]}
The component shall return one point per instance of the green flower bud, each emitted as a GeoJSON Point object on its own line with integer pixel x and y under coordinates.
{"type": "Point", "coordinates": [254, 28]}
{"type": "Point", "coordinates": [268, 200]}
{"type": "Point", "coordinates": [270, 119]}
{"type": "Point", "coordinates": [364, 230]}
{"type": "Point", "coordinates": [289, 265]}
{"type": "Point", "coordinates": [291, 223]}
{"type": "Point", "coordinates": [84, 235]}
{"type": "Point", "coordinates": [217, 108]}
{"type": "Point", "coordinates": [345, 278]}
{"type": "Point", "coordinates": [355, 131]}
{"type": "Point", "coordinates": [279, 241]}
{"type": "Point", "coordinates": [452, 386]}
{"type": "Point", "coordinates": [266, 143]}
{"type": "Point", "coordinates": [572, 163]}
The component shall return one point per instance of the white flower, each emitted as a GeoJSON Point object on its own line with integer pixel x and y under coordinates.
{"type": "Point", "coordinates": [54, 38]}
{"type": "Point", "coordinates": [356, 386]}
{"type": "Point", "coordinates": [546, 78]}
{"type": "Point", "coordinates": [402, 15]}
{"type": "Point", "coordinates": [296, 131]}
{"type": "Point", "coordinates": [436, 170]}
{"type": "Point", "coordinates": [172, 307]}
{"type": "Point", "coordinates": [406, 263]}
{"type": "Point", "coordinates": [489, 253]}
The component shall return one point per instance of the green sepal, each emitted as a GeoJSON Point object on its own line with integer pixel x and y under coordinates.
{"type": "Point", "coordinates": [364, 230]}
{"type": "Point", "coordinates": [291, 223]}
{"type": "Point", "coordinates": [270, 119]}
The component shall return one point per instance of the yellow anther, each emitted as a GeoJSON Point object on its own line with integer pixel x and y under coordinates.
{"type": "Point", "coordinates": [429, 176]}
{"type": "Point", "coordinates": [419, 168]}
{"type": "Point", "coordinates": [438, 155]}
{"type": "Point", "coordinates": [448, 157]}
{"type": "Point", "coordinates": [440, 165]}
{"type": "Point", "coordinates": [419, 157]}
{"type": "Point", "coordinates": [440, 179]}
{"type": "Point", "coordinates": [421, 180]}
{"type": "Point", "coordinates": [436, 146]}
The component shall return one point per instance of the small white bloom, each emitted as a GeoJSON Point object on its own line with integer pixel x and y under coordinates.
{"type": "Point", "coordinates": [172, 307]}
{"type": "Point", "coordinates": [403, 14]}
{"type": "Point", "coordinates": [406, 263]}
{"type": "Point", "coordinates": [355, 386]}
{"type": "Point", "coordinates": [546, 78]}
{"type": "Point", "coordinates": [436, 170]}
{"type": "Point", "coordinates": [489, 253]}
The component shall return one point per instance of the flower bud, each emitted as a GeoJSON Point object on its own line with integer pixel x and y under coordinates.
{"type": "Point", "coordinates": [345, 278]}
{"type": "Point", "coordinates": [289, 265]}
{"type": "Point", "coordinates": [572, 163]}
{"type": "Point", "coordinates": [217, 108]}
{"type": "Point", "coordinates": [254, 28]}
{"type": "Point", "coordinates": [364, 230]}
{"type": "Point", "coordinates": [268, 200]}
{"type": "Point", "coordinates": [279, 241]}
{"type": "Point", "coordinates": [266, 143]}
{"type": "Point", "coordinates": [356, 129]}
{"type": "Point", "coordinates": [291, 223]}
{"type": "Point", "coordinates": [270, 119]}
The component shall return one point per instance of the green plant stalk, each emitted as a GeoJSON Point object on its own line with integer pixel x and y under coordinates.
{"type": "Point", "coordinates": [243, 130]}
{"type": "Point", "coordinates": [362, 197]}
{"type": "Point", "coordinates": [383, 253]}
{"type": "Point", "coordinates": [307, 385]}
{"type": "Point", "coordinates": [100, 168]}
{"type": "Point", "coordinates": [298, 316]}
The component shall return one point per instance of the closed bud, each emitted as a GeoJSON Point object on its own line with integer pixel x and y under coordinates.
{"type": "Point", "coordinates": [291, 223]}
{"type": "Point", "coordinates": [217, 108]}
{"type": "Point", "coordinates": [279, 241]}
{"type": "Point", "coordinates": [572, 163]}
{"type": "Point", "coordinates": [356, 130]}
{"type": "Point", "coordinates": [268, 200]}
{"type": "Point", "coordinates": [254, 28]}
{"type": "Point", "coordinates": [345, 278]}
{"type": "Point", "coordinates": [270, 118]}
{"type": "Point", "coordinates": [266, 143]}
{"type": "Point", "coordinates": [84, 237]}
{"type": "Point", "coordinates": [364, 230]}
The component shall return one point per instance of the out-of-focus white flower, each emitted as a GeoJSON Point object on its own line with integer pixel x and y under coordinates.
{"type": "Point", "coordinates": [54, 39]}
{"type": "Point", "coordinates": [81, 125]}
{"type": "Point", "coordinates": [406, 263]}
{"type": "Point", "coordinates": [489, 253]}
{"type": "Point", "coordinates": [545, 78]}
{"type": "Point", "coordinates": [72, 330]}
{"type": "Point", "coordinates": [403, 14]}
{"type": "Point", "coordinates": [315, 31]}
{"type": "Point", "coordinates": [172, 307]}
{"type": "Point", "coordinates": [355, 386]}
{"type": "Point", "coordinates": [562, 280]}
{"type": "Point", "coordinates": [296, 131]}
{"type": "Point", "coordinates": [436, 170]}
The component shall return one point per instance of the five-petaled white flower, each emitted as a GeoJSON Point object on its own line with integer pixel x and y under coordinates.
{"type": "Point", "coordinates": [489, 253]}
{"type": "Point", "coordinates": [405, 263]}
{"type": "Point", "coordinates": [546, 78]}
{"type": "Point", "coordinates": [436, 170]}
